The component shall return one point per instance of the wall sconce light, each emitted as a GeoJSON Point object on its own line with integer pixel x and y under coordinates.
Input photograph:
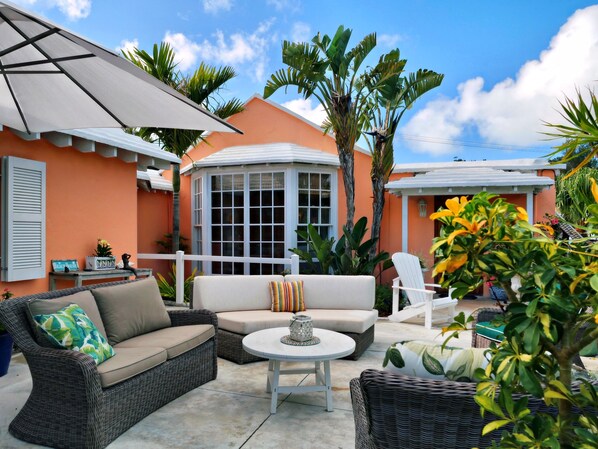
{"type": "Point", "coordinates": [423, 208]}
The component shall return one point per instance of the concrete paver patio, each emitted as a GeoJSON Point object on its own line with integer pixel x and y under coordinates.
{"type": "Point", "coordinates": [233, 410]}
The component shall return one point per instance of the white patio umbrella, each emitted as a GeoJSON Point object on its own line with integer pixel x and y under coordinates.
{"type": "Point", "coordinates": [52, 79]}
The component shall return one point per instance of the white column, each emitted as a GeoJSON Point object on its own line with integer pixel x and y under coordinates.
{"type": "Point", "coordinates": [404, 222]}
{"type": "Point", "coordinates": [530, 207]}
{"type": "Point", "coordinates": [180, 277]}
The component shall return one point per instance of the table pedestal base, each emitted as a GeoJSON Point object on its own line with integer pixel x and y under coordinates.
{"type": "Point", "coordinates": [323, 382]}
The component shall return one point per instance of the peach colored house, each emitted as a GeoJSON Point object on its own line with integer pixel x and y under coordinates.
{"type": "Point", "coordinates": [245, 195]}
{"type": "Point", "coordinates": [61, 191]}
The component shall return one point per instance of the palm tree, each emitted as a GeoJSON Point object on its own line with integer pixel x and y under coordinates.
{"type": "Point", "coordinates": [580, 132]}
{"type": "Point", "coordinates": [388, 103]}
{"type": "Point", "coordinates": [201, 87]}
{"type": "Point", "coordinates": [329, 71]}
{"type": "Point", "coordinates": [574, 195]}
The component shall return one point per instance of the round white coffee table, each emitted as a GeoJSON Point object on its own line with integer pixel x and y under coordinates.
{"type": "Point", "coordinates": [266, 343]}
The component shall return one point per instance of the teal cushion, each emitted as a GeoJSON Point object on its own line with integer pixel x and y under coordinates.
{"type": "Point", "coordinates": [428, 360]}
{"type": "Point", "coordinates": [71, 328]}
{"type": "Point", "coordinates": [487, 330]}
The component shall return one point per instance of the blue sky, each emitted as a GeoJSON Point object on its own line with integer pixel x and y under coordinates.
{"type": "Point", "coordinates": [506, 63]}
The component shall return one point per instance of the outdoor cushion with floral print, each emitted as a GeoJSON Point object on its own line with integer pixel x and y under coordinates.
{"type": "Point", "coordinates": [429, 360]}
{"type": "Point", "coordinates": [71, 328]}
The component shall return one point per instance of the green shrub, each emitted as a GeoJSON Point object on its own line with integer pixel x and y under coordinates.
{"type": "Point", "coordinates": [168, 289]}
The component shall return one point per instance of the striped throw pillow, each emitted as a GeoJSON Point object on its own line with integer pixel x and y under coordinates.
{"type": "Point", "coordinates": [287, 296]}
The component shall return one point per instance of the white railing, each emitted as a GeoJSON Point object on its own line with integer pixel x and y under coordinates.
{"type": "Point", "coordinates": [180, 257]}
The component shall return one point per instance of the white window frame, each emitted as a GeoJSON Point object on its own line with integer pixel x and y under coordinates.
{"type": "Point", "coordinates": [23, 209]}
{"type": "Point", "coordinates": [291, 173]}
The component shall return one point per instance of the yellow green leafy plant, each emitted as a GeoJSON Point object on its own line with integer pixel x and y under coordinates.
{"type": "Point", "coordinates": [549, 319]}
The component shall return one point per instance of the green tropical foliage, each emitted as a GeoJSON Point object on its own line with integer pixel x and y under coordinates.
{"type": "Point", "coordinates": [203, 87]}
{"type": "Point", "coordinates": [574, 195]}
{"type": "Point", "coordinates": [332, 256]}
{"type": "Point", "coordinates": [168, 288]}
{"type": "Point", "coordinates": [548, 321]}
{"type": "Point", "coordinates": [331, 72]}
{"type": "Point", "coordinates": [389, 99]}
{"type": "Point", "coordinates": [580, 130]}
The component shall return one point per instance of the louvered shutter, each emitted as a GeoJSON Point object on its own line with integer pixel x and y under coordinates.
{"type": "Point", "coordinates": [23, 219]}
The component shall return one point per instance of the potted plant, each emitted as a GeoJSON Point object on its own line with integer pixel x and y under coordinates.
{"type": "Point", "coordinates": [5, 339]}
{"type": "Point", "coordinates": [548, 320]}
{"type": "Point", "coordinates": [102, 258]}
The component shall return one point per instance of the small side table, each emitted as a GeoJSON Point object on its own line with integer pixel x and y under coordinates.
{"type": "Point", "coordinates": [80, 276]}
{"type": "Point", "coordinates": [266, 343]}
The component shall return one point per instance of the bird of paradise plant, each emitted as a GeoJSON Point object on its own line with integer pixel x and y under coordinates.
{"type": "Point", "coordinates": [548, 321]}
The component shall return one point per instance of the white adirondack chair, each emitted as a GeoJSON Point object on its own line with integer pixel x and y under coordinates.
{"type": "Point", "coordinates": [421, 300]}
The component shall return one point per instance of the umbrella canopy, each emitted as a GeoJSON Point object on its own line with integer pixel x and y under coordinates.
{"type": "Point", "coordinates": [53, 79]}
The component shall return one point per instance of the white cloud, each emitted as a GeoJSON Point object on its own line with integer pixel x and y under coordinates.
{"type": "Point", "coordinates": [215, 6]}
{"type": "Point", "coordinates": [511, 112]}
{"type": "Point", "coordinates": [389, 40]}
{"type": "Point", "coordinates": [246, 52]}
{"type": "Point", "coordinates": [73, 9]}
{"type": "Point", "coordinates": [301, 32]}
{"type": "Point", "coordinates": [185, 49]}
{"type": "Point", "coordinates": [127, 45]}
{"type": "Point", "coordinates": [304, 108]}
{"type": "Point", "coordinates": [284, 5]}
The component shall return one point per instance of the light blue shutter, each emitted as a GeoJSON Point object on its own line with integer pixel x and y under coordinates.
{"type": "Point", "coordinates": [23, 219]}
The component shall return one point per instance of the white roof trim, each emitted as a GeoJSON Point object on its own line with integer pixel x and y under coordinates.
{"type": "Point", "coordinates": [507, 164]}
{"type": "Point", "coordinates": [154, 180]}
{"type": "Point", "coordinates": [469, 180]}
{"type": "Point", "coordinates": [273, 153]}
{"type": "Point", "coordinates": [108, 142]}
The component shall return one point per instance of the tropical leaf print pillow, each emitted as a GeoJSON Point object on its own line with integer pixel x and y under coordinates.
{"type": "Point", "coordinates": [428, 360]}
{"type": "Point", "coordinates": [71, 328]}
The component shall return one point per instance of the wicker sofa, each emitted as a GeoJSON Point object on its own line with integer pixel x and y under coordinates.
{"type": "Point", "coordinates": [405, 412]}
{"type": "Point", "coordinates": [242, 303]}
{"type": "Point", "coordinates": [75, 403]}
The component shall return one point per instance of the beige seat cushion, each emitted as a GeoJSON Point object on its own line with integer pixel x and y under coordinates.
{"type": "Point", "coordinates": [131, 309]}
{"type": "Point", "coordinates": [83, 299]}
{"type": "Point", "coordinates": [248, 321]}
{"type": "Point", "coordinates": [176, 340]}
{"type": "Point", "coordinates": [353, 321]}
{"type": "Point", "coordinates": [129, 362]}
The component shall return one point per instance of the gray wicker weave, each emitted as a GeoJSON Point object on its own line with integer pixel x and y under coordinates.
{"type": "Point", "coordinates": [403, 412]}
{"type": "Point", "coordinates": [396, 411]}
{"type": "Point", "coordinates": [68, 408]}
{"type": "Point", "coordinates": [230, 346]}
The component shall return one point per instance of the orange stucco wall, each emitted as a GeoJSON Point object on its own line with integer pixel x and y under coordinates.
{"type": "Point", "coordinates": [154, 219]}
{"type": "Point", "coordinates": [87, 197]}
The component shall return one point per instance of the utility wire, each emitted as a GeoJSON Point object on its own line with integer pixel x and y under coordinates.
{"type": "Point", "coordinates": [490, 146]}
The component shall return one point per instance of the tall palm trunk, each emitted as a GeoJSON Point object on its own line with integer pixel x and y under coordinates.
{"type": "Point", "coordinates": [377, 210]}
{"type": "Point", "coordinates": [176, 218]}
{"type": "Point", "coordinates": [348, 164]}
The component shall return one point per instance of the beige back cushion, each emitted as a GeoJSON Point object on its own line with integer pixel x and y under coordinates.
{"type": "Point", "coordinates": [83, 299]}
{"type": "Point", "coordinates": [233, 293]}
{"type": "Point", "coordinates": [131, 309]}
{"type": "Point", "coordinates": [337, 292]}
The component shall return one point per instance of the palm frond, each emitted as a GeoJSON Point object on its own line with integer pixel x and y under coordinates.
{"type": "Point", "coordinates": [229, 108]}
{"type": "Point", "coordinates": [580, 130]}
{"type": "Point", "coordinates": [289, 77]}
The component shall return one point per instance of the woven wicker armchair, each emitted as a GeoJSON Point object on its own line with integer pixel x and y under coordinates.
{"type": "Point", "coordinates": [68, 407]}
{"type": "Point", "coordinates": [403, 412]}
